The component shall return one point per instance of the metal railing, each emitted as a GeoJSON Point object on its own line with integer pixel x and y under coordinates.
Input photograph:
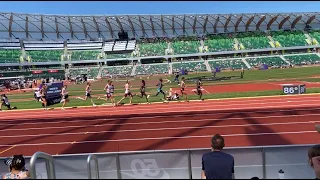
{"type": "Point", "coordinates": [263, 161]}
{"type": "Point", "coordinates": [96, 166]}
{"type": "Point", "coordinates": [49, 165]}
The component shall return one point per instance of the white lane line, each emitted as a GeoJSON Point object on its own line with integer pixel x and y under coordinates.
{"type": "Point", "coordinates": [299, 108]}
{"type": "Point", "coordinates": [156, 129]}
{"type": "Point", "coordinates": [142, 108]}
{"type": "Point", "coordinates": [149, 110]}
{"type": "Point", "coordinates": [161, 138]}
{"type": "Point", "coordinates": [159, 122]}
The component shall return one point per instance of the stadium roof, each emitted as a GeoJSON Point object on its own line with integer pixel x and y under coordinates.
{"type": "Point", "coordinates": [37, 26]}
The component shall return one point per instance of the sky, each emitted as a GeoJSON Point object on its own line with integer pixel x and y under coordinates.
{"type": "Point", "coordinates": [156, 7]}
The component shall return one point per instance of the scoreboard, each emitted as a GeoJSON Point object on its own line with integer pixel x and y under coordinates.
{"type": "Point", "coordinates": [294, 89]}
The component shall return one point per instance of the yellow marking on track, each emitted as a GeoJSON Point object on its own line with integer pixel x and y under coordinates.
{"type": "Point", "coordinates": [7, 149]}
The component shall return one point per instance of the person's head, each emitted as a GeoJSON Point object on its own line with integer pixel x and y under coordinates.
{"type": "Point", "coordinates": [18, 162]}
{"type": "Point", "coordinates": [160, 79]}
{"type": "Point", "coordinates": [255, 177]}
{"type": "Point", "coordinates": [65, 86]}
{"type": "Point", "coordinates": [88, 84]}
{"type": "Point", "coordinates": [143, 81]}
{"type": "Point", "coordinates": [217, 142]}
{"type": "Point", "coordinates": [127, 82]}
{"type": "Point", "coordinates": [314, 159]}
{"type": "Point", "coordinates": [182, 78]}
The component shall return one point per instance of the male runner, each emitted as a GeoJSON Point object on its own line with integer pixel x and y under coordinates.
{"type": "Point", "coordinates": [109, 88]}
{"type": "Point", "coordinates": [65, 96]}
{"type": "Point", "coordinates": [159, 88]}
{"type": "Point", "coordinates": [198, 89]}
{"type": "Point", "coordinates": [182, 88]}
{"type": "Point", "coordinates": [127, 92]}
{"type": "Point", "coordinates": [5, 102]}
{"type": "Point", "coordinates": [143, 91]}
{"type": "Point", "coordinates": [88, 95]}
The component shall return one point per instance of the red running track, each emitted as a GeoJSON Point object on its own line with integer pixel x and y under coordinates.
{"type": "Point", "coordinates": [282, 120]}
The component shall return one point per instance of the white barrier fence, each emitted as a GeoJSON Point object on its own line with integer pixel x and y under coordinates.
{"type": "Point", "coordinates": [263, 162]}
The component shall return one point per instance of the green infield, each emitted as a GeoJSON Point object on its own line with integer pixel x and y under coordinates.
{"type": "Point", "coordinates": [308, 74]}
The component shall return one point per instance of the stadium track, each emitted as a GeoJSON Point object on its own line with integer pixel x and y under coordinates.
{"type": "Point", "coordinates": [258, 121]}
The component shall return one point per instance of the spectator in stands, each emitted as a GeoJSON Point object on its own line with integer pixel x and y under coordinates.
{"type": "Point", "coordinates": [217, 164]}
{"type": "Point", "coordinates": [314, 159]}
{"type": "Point", "coordinates": [17, 168]}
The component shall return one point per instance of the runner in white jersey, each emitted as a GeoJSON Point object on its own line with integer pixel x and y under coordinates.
{"type": "Point", "coordinates": [88, 94]}
{"type": "Point", "coordinates": [109, 88]}
{"type": "Point", "coordinates": [64, 96]}
{"type": "Point", "coordinates": [127, 92]}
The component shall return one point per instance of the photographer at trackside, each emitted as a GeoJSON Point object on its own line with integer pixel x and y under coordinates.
{"type": "Point", "coordinates": [217, 164]}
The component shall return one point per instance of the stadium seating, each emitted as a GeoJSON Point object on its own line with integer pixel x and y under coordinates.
{"type": "Point", "coordinates": [145, 69]}
{"type": "Point", "coordinates": [227, 64]}
{"type": "Point", "coordinates": [92, 72]}
{"type": "Point", "coordinates": [189, 66]}
{"type": "Point", "coordinates": [303, 59]}
{"type": "Point", "coordinates": [45, 55]}
{"type": "Point", "coordinates": [9, 56]}
{"type": "Point", "coordinates": [84, 55]}
{"type": "Point", "coordinates": [118, 56]}
{"type": "Point", "coordinates": [289, 38]}
{"type": "Point", "coordinates": [185, 46]}
{"type": "Point", "coordinates": [315, 34]}
{"type": "Point", "coordinates": [274, 61]}
{"type": "Point", "coordinates": [253, 40]}
{"type": "Point", "coordinates": [220, 42]}
{"type": "Point", "coordinates": [116, 70]}
{"type": "Point", "coordinates": [153, 49]}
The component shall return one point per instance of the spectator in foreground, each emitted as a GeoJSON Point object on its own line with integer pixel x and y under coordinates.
{"type": "Point", "coordinates": [217, 164]}
{"type": "Point", "coordinates": [314, 159]}
{"type": "Point", "coordinates": [17, 168]}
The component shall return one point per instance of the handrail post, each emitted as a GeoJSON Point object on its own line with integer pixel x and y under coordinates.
{"type": "Point", "coordinates": [49, 165]}
{"type": "Point", "coordinates": [92, 157]}
{"type": "Point", "coordinates": [264, 170]}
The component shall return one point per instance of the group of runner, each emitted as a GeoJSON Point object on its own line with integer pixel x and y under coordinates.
{"type": "Point", "coordinates": [40, 95]}
{"type": "Point", "coordinates": [109, 88]}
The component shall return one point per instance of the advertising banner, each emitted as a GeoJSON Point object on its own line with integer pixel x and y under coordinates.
{"type": "Point", "coordinates": [53, 95]}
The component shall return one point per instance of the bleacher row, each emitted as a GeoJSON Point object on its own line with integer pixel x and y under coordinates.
{"type": "Point", "coordinates": [212, 43]}
{"type": "Point", "coordinates": [197, 66]}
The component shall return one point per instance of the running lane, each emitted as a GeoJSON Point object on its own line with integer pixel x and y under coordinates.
{"type": "Point", "coordinates": [281, 120]}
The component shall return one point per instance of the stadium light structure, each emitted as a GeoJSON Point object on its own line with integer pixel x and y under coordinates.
{"type": "Point", "coordinates": [40, 26]}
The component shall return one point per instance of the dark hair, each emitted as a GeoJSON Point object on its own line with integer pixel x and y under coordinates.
{"type": "Point", "coordinates": [18, 162]}
{"type": "Point", "coordinates": [217, 142]}
{"type": "Point", "coordinates": [314, 151]}
{"type": "Point", "coordinates": [160, 79]}
{"type": "Point", "coordinates": [255, 177]}
{"type": "Point", "coordinates": [143, 81]}
{"type": "Point", "coordinates": [182, 78]}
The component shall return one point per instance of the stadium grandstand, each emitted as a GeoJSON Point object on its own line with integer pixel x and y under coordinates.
{"type": "Point", "coordinates": [39, 45]}
{"type": "Point", "coordinates": [230, 41]}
